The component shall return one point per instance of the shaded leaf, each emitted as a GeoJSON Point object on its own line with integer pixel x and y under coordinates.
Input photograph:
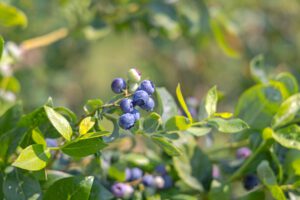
{"type": "Point", "coordinates": [166, 104]}
{"type": "Point", "coordinates": [166, 145]}
{"type": "Point", "coordinates": [175, 123]}
{"type": "Point", "coordinates": [288, 137]}
{"type": "Point", "coordinates": [289, 81]}
{"type": "Point", "coordinates": [199, 131]}
{"type": "Point", "coordinates": [1, 46]}
{"type": "Point", "coordinates": [152, 122]}
{"type": "Point", "coordinates": [258, 69]}
{"type": "Point", "coordinates": [228, 125]}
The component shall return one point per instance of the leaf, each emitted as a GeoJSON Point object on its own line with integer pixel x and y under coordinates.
{"type": "Point", "coordinates": [34, 157]}
{"type": "Point", "coordinates": [11, 16]}
{"type": "Point", "coordinates": [152, 122]}
{"type": "Point", "coordinates": [117, 172]}
{"type": "Point", "coordinates": [38, 137]}
{"type": "Point", "coordinates": [211, 101]}
{"type": "Point", "coordinates": [59, 122]}
{"type": "Point", "coordinates": [199, 131]}
{"type": "Point", "coordinates": [53, 176]}
{"type": "Point", "coordinates": [99, 192]}
{"type": "Point", "coordinates": [10, 118]}
{"type": "Point", "coordinates": [287, 111]}
{"type": "Point", "coordinates": [166, 145]}
{"type": "Point", "coordinates": [85, 125]}
{"type": "Point", "coordinates": [179, 123]}
{"type": "Point", "coordinates": [219, 192]}
{"type": "Point", "coordinates": [268, 178]}
{"type": "Point", "coordinates": [73, 188]}
{"type": "Point", "coordinates": [229, 125]}
{"type": "Point", "coordinates": [92, 104]}
{"type": "Point", "coordinates": [10, 83]}
{"type": "Point", "coordinates": [1, 46]}
{"type": "Point", "coordinates": [288, 137]}
{"type": "Point", "coordinates": [166, 104]}
{"type": "Point", "coordinates": [194, 168]}
{"type": "Point", "coordinates": [67, 112]}
{"type": "Point", "coordinates": [257, 105]}
{"type": "Point", "coordinates": [18, 185]}
{"type": "Point", "coordinates": [289, 81]}
{"type": "Point", "coordinates": [224, 115]}
{"type": "Point", "coordinates": [258, 69]}
{"type": "Point", "coordinates": [83, 147]}
{"type": "Point", "coordinates": [182, 103]}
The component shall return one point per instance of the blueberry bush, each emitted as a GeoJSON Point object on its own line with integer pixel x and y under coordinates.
{"type": "Point", "coordinates": [145, 143]}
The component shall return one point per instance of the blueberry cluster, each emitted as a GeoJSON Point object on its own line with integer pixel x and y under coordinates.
{"type": "Point", "coordinates": [141, 96]}
{"type": "Point", "coordinates": [250, 181]}
{"type": "Point", "coordinates": [158, 180]}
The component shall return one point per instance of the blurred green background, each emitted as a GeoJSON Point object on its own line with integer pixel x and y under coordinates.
{"type": "Point", "coordinates": [195, 42]}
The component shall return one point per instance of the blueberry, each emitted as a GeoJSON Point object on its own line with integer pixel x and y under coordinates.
{"type": "Point", "coordinates": [134, 75]}
{"type": "Point", "coordinates": [250, 181]}
{"type": "Point", "coordinates": [140, 97]}
{"type": "Point", "coordinates": [149, 105]}
{"type": "Point", "coordinates": [161, 169]}
{"type": "Point", "coordinates": [136, 114]}
{"type": "Point", "coordinates": [243, 152]}
{"type": "Point", "coordinates": [159, 182]}
{"type": "Point", "coordinates": [136, 173]}
{"type": "Point", "coordinates": [126, 105]}
{"type": "Point", "coordinates": [148, 180]}
{"type": "Point", "coordinates": [127, 174]}
{"type": "Point", "coordinates": [168, 182]}
{"type": "Point", "coordinates": [118, 85]}
{"type": "Point", "coordinates": [126, 121]}
{"type": "Point", "coordinates": [147, 86]}
{"type": "Point", "coordinates": [121, 190]}
{"type": "Point", "coordinates": [51, 142]}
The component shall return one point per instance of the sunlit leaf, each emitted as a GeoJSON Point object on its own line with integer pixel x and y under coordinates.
{"type": "Point", "coordinates": [11, 16]}
{"type": "Point", "coordinates": [175, 123]}
{"type": "Point", "coordinates": [85, 125]}
{"type": "Point", "coordinates": [182, 103]}
{"type": "Point", "coordinates": [288, 137]}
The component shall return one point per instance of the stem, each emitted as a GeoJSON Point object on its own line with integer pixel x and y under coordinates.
{"type": "Point", "coordinates": [54, 148]}
{"type": "Point", "coordinates": [44, 40]}
{"type": "Point", "coordinates": [228, 146]}
{"type": "Point", "coordinates": [288, 187]}
{"type": "Point", "coordinates": [242, 169]}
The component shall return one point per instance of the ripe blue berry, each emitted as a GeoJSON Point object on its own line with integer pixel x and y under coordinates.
{"type": "Point", "coordinates": [148, 180]}
{"type": "Point", "coordinates": [250, 181]}
{"type": "Point", "coordinates": [243, 152]}
{"type": "Point", "coordinates": [136, 173]}
{"type": "Point", "coordinates": [168, 182]}
{"type": "Point", "coordinates": [140, 97]}
{"type": "Point", "coordinates": [51, 142]}
{"type": "Point", "coordinates": [136, 114]}
{"type": "Point", "coordinates": [126, 121]}
{"type": "Point", "coordinates": [118, 85]}
{"type": "Point", "coordinates": [147, 86]}
{"type": "Point", "coordinates": [161, 169]}
{"type": "Point", "coordinates": [127, 174]}
{"type": "Point", "coordinates": [149, 105]}
{"type": "Point", "coordinates": [122, 190]}
{"type": "Point", "coordinates": [126, 105]}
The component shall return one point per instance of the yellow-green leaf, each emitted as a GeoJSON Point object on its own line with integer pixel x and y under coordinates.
{"type": "Point", "coordinates": [59, 122]}
{"type": "Point", "coordinates": [35, 157]}
{"type": "Point", "coordinates": [85, 125]}
{"type": "Point", "coordinates": [182, 103]}
{"type": "Point", "coordinates": [38, 137]}
{"type": "Point", "coordinates": [11, 16]}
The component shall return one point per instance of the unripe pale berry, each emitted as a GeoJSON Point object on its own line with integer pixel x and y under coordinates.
{"type": "Point", "coordinates": [118, 85]}
{"type": "Point", "coordinates": [126, 105]}
{"type": "Point", "coordinates": [134, 75]}
{"type": "Point", "coordinates": [147, 86]}
{"type": "Point", "coordinates": [140, 97]}
{"type": "Point", "coordinates": [159, 182]}
{"type": "Point", "coordinates": [243, 152]}
{"type": "Point", "coordinates": [136, 114]}
{"type": "Point", "coordinates": [126, 121]}
{"type": "Point", "coordinates": [122, 190]}
{"type": "Point", "coordinates": [149, 105]}
{"type": "Point", "coordinates": [132, 87]}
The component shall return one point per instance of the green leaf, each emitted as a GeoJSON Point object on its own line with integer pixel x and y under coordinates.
{"type": "Point", "coordinates": [257, 105]}
{"type": "Point", "coordinates": [92, 104]}
{"type": "Point", "coordinates": [199, 131]}
{"type": "Point", "coordinates": [59, 122]}
{"type": "Point", "coordinates": [1, 46]}
{"type": "Point", "coordinates": [66, 112]}
{"type": "Point", "coordinates": [166, 104]}
{"type": "Point", "coordinates": [99, 192]}
{"type": "Point", "coordinates": [258, 69]}
{"type": "Point", "coordinates": [10, 118]}
{"type": "Point", "coordinates": [18, 185]}
{"type": "Point", "coordinates": [194, 168]}
{"type": "Point", "coordinates": [219, 192]}
{"type": "Point", "coordinates": [34, 157]}
{"type": "Point", "coordinates": [117, 172]}
{"type": "Point", "coordinates": [211, 100]}
{"type": "Point", "coordinates": [177, 123]}
{"type": "Point", "coordinates": [135, 159]}
{"type": "Point", "coordinates": [289, 81]}
{"type": "Point", "coordinates": [182, 103]}
{"type": "Point", "coordinates": [85, 125]}
{"type": "Point", "coordinates": [83, 146]}
{"type": "Point", "coordinates": [38, 137]}
{"type": "Point", "coordinates": [11, 16]}
{"type": "Point", "coordinates": [73, 188]}
{"type": "Point", "coordinates": [152, 122]}
{"type": "Point", "coordinates": [10, 83]}
{"type": "Point", "coordinates": [287, 111]}
{"type": "Point", "coordinates": [268, 178]}
{"type": "Point", "coordinates": [53, 176]}
{"type": "Point", "coordinates": [288, 137]}
{"type": "Point", "coordinates": [228, 125]}
{"type": "Point", "coordinates": [166, 145]}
